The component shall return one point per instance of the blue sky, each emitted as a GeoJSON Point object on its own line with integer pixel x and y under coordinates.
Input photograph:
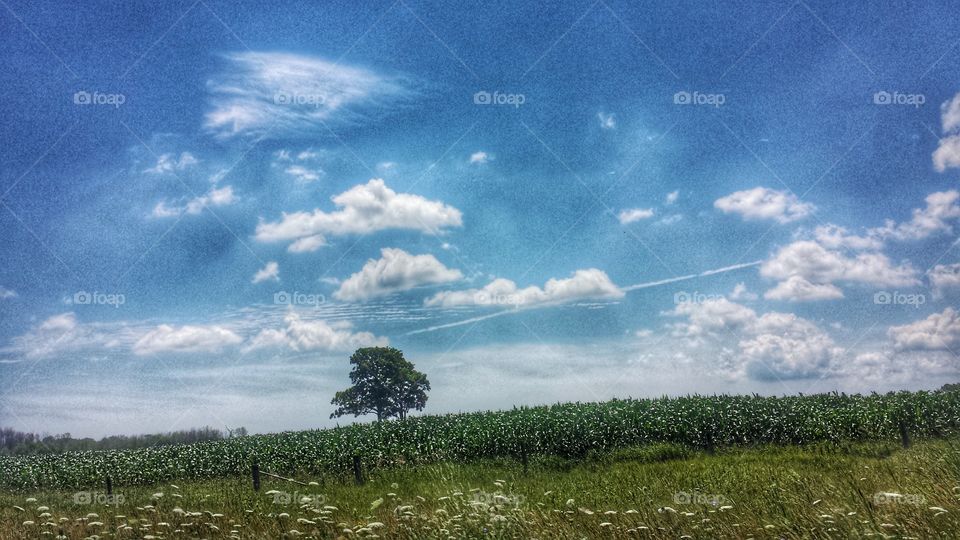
{"type": "Point", "coordinates": [206, 206]}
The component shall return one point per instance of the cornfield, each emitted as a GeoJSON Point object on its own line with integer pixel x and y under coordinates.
{"type": "Point", "coordinates": [565, 430]}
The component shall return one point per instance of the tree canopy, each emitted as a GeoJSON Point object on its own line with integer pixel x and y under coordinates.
{"type": "Point", "coordinates": [383, 383]}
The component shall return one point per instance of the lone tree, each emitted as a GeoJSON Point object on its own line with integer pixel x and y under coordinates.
{"type": "Point", "coordinates": [384, 383]}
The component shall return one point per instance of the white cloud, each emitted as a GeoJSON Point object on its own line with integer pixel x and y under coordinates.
{"type": "Point", "coordinates": [740, 292]}
{"type": "Point", "coordinates": [585, 284]}
{"type": "Point", "coordinates": [280, 93]}
{"type": "Point", "coordinates": [935, 218]}
{"type": "Point", "coordinates": [836, 237]}
{"type": "Point", "coordinates": [669, 220]}
{"type": "Point", "coordinates": [169, 163]}
{"type": "Point", "coordinates": [364, 209]}
{"type": "Point", "coordinates": [307, 244]}
{"type": "Point", "coordinates": [169, 339]}
{"type": "Point", "coordinates": [303, 174]}
{"type": "Point", "coordinates": [672, 197]}
{"type": "Point", "coordinates": [943, 278]}
{"type": "Point", "coordinates": [300, 335]}
{"type": "Point", "coordinates": [798, 289]}
{"type": "Point", "coordinates": [7, 293]}
{"type": "Point", "coordinates": [386, 166]}
{"type": "Point", "coordinates": [762, 203]}
{"type": "Point", "coordinates": [947, 154]}
{"type": "Point", "coordinates": [269, 272]}
{"type": "Point", "coordinates": [769, 346]}
{"type": "Point", "coordinates": [634, 214]}
{"type": "Point", "coordinates": [938, 332]}
{"type": "Point", "coordinates": [950, 114]}
{"type": "Point", "coordinates": [395, 271]}
{"type": "Point", "coordinates": [63, 335]}
{"type": "Point", "coordinates": [479, 157]}
{"type": "Point", "coordinates": [607, 121]}
{"type": "Point", "coordinates": [215, 197]}
{"type": "Point", "coordinates": [786, 347]}
{"type": "Point", "coordinates": [813, 269]}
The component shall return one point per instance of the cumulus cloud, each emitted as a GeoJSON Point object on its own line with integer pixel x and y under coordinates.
{"type": "Point", "coordinates": [215, 197]}
{"type": "Point", "coordinates": [798, 289]}
{"type": "Point", "coordinates": [762, 203]}
{"type": "Point", "coordinates": [304, 335]}
{"type": "Point", "coordinates": [186, 339]}
{"type": "Point", "coordinates": [944, 278]}
{"type": "Point", "coordinates": [395, 271]}
{"type": "Point", "coordinates": [634, 214]}
{"type": "Point", "coordinates": [63, 334]}
{"type": "Point", "coordinates": [947, 154]}
{"type": "Point", "coordinates": [170, 163]}
{"type": "Point", "coordinates": [672, 197]}
{"type": "Point", "coordinates": [836, 237]}
{"type": "Point", "coordinates": [740, 292]}
{"type": "Point", "coordinates": [261, 92]}
{"type": "Point", "coordinates": [769, 346]}
{"type": "Point", "coordinates": [7, 293]}
{"type": "Point", "coordinates": [479, 158]}
{"type": "Point", "coordinates": [808, 270]}
{"type": "Point", "coordinates": [307, 244]}
{"type": "Point", "coordinates": [271, 271]}
{"type": "Point", "coordinates": [936, 217]}
{"type": "Point", "coordinates": [938, 332]}
{"type": "Point", "coordinates": [590, 283]}
{"type": "Point", "coordinates": [364, 209]}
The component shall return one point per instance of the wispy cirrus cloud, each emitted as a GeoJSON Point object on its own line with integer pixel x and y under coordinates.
{"type": "Point", "coordinates": [283, 93]}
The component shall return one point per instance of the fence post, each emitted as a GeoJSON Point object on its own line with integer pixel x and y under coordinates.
{"type": "Point", "coordinates": [904, 434]}
{"type": "Point", "coordinates": [357, 471]}
{"type": "Point", "coordinates": [109, 486]}
{"type": "Point", "coordinates": [255, 470]}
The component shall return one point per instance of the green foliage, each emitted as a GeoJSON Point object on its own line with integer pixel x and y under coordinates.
{"type": "Point", "coordinates": [565, 430]}
{"type": "Point", "coordinates": [384, 383]}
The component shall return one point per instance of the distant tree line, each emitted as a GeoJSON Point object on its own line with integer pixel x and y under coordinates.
{"type": "Point", "coordinates": [13, 442]}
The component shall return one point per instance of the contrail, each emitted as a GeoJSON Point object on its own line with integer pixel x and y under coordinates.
{"type": "Point", "coordinates": [459, 323]}
{"type": "Point", "coordinates": [689, 276]}
{"type": "Point", "coordinates": [624, 289]}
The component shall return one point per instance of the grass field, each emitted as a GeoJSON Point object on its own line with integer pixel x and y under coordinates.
{"type": "Point", "coordinates": [656, 491]}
